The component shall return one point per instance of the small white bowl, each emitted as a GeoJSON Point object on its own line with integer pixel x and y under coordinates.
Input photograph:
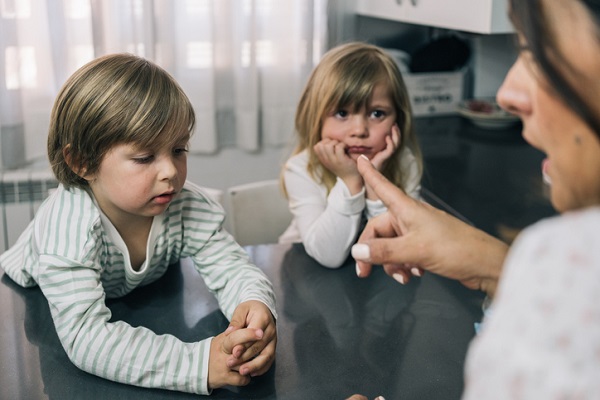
{"type": "Point", "coordinates": [486, 113]}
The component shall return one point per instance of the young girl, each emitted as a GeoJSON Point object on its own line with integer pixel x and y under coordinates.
{"type": "Point", "coordinates": [355, 102]}
{"type": "Point", "coordinates": [122, 214]}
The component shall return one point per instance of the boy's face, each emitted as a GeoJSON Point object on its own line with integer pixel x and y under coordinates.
{"type": "Point", "coordinates": [134, 182]}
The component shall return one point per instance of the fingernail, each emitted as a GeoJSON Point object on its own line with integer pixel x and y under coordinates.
{"type": "Point", "coordinates": [379, 398]}
{"type": "Point", "coordinates": [399, 278]}
{"type": "Point", "coordinates": [365, 157]}
{"type": "Point", "coordinates": [361, 252]}
{"type": "Point", "coordinates": [357, 270]}
{"type": "Point", "coordinates": [415, 271]}
{"type": "Point", "coordinates": [259, 333]}
{"type": "Point", "coordinates": [229, 329]}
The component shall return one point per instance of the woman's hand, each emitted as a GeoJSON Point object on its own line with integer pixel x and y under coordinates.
{"type": "Point", "coordinates": [415, 234]}
{"type": "Point", "coordinates": [333, 156]}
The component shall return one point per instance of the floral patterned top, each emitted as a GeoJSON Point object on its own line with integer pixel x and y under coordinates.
{"type": "Point", "coordinates": [542, 340]}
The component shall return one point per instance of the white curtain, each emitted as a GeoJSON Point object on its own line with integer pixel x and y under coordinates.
{"type": "Point", "coordinates": [243, 63]}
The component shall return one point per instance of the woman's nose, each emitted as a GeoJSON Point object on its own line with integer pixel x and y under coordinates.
{"type": "Point", "coordinates": [513, 95]}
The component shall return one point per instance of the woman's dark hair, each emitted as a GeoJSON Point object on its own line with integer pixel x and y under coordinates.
{"type": "Point", "coordinates": [529, 18]}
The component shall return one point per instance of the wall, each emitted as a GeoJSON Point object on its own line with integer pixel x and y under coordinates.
{"type": "Point", "coordinates": [493, 56]}
{"type": "Point", "coordinates": [233, 167]}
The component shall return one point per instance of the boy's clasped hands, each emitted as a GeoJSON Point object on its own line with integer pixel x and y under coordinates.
{"type": "Point", "coordinates": [246, 349]}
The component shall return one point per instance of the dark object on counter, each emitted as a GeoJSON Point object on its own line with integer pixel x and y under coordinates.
{"type": "Point", "coordinates": [448, 53]}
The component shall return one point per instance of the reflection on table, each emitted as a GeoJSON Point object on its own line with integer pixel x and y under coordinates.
{"type": "Point", "coordinates": [338, 334]}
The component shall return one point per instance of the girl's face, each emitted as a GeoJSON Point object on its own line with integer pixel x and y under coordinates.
{"type": "Point", "coordinates": [363, 131]}
{"type": "Point", "coordinates": [133, 182]}
{"type": "Point", "coordinates": [572, 148]}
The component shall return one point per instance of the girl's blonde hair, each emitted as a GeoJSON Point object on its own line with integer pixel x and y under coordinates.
{"type": "Point", "coordinates": [114, 99]}
{"type": "Point", "coordinates": [345, 79]}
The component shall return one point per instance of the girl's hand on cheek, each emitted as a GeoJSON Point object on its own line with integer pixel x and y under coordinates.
{"type": "Point", "coordinates": [392, 143]}
{"type": "Point", "coordinates": [332, 155]}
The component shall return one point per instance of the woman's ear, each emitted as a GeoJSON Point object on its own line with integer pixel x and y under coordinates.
{"type": "Point", "coordinates": [74, 165]}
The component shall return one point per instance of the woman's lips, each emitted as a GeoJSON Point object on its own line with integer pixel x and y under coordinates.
{"type": "Point", "coordinates": [545, 175]}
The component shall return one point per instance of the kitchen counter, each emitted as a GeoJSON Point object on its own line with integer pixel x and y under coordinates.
{"type": "Point", "coordinates": [491, 177]}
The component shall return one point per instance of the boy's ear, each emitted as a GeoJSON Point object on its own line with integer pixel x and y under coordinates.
{"type": "Point", "coordinates": [73, 165]}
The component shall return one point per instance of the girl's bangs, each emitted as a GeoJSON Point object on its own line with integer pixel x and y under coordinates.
{"type": "Point", "coordinates": [355, 86]}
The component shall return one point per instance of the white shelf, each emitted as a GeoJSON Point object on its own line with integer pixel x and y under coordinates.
{"type": "Point", "coordinates": [477, 16]}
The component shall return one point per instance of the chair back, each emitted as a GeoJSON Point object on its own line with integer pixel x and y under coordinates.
{"type": "Point", "coordinates": [258, 212]}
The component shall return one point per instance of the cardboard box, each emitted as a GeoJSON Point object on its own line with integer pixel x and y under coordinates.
{"type": "Point", "coordinates": [431, 93]}
{"type": "Point", "coordinates": [435, 93]}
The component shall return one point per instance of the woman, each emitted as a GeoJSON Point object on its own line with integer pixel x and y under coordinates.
{"type": "Point", "coordinates": [542, 337]}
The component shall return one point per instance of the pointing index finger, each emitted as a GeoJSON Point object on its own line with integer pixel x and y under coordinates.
{"type": "Point", "coordinates": [392, 196]}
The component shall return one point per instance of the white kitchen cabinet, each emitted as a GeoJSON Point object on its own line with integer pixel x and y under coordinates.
{"type": "Point", "coordinates": [479, 16]}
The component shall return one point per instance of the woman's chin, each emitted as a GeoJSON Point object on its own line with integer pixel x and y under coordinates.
{"type": "Point", "coordinates": [563, 203]}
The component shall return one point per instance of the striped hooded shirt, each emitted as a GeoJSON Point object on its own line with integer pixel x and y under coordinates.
{"type": "Point", "coordinates": [76, 256]}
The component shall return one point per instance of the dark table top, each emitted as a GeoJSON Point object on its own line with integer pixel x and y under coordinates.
{"type": "Point", "coordinates": [337, 334]}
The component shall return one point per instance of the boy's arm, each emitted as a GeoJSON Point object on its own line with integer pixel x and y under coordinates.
{"type": "Point", "coordinates": [223, 264]}
{"type": "Point", "coordinates": [116, 350]}
{"type": "Point", "coordinates": [230, 276]}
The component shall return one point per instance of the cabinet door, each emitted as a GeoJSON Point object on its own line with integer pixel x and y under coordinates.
{"type": "Point", "coordinates": [480, 16]}
{"type": "Point", "coordinates": [386, 9]}
{"type": "Point", "coordinates": [484, 16]}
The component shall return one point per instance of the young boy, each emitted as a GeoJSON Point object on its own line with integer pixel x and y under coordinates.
{"type": "Point", "coordinates": [123, 212]}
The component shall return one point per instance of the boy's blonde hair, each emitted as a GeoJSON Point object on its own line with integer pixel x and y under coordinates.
{"type": "Point", "coordinates": [114, 99]}
{"type": "Point", "coordinates": [345, 79]}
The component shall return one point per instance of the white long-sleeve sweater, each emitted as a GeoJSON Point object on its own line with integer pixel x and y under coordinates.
{"type": "Point", "coordinates": [329, 224]}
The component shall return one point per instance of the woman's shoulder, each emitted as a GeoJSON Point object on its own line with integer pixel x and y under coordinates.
{"type": "Point", "coordinates": [570, 226]}
{"type": "Point", "coordinates": [545, 309]}
{"type": "Point", "coordinates": [555, 244]}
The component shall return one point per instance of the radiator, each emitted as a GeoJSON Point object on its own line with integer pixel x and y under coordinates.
{"type": "Point", "coordinates": [21, 193]}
